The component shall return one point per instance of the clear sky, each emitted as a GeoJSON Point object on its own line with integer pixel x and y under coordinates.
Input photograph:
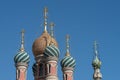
{"type": "Point", "coordinates": [84, 20]}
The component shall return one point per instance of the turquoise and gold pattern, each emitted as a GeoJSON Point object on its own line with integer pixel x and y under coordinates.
{"type": "Point", "coordinates": [52, 50]}
{"type": "Point", "coordinates": [68, 61]}
{"type": "Point", "coordinates": [22, 56]}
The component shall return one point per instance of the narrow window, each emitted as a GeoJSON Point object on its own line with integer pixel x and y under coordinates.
{"type": "Point", "coordinates": [66, 77]}
{"type": "Point", "coordinates": [49, 68]}
{"type": "Point", "coordinates": [40, 69]}
{"type": "Point", "coordinates": [45, 69]}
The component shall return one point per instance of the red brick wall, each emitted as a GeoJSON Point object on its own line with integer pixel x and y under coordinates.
{"type": "Point", "coordinates": [68, 76]}
{"type": "Point", "coordinates": [22, 74]}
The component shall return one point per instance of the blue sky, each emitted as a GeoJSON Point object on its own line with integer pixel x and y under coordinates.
{"type": "Point", "coordinates": [84, 20]}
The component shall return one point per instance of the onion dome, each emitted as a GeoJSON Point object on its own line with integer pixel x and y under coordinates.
{"type": "Point", "coordinates": [52, 50]}
{"type": "Point", "coordinates": [68, 61]}
{"type": "Point", "coordinates": [41, 43]}
{"type": "Point", "coordinates": [96, 61]}
{"type": "Point", "coordinates": [34, 68]}
{"type": "Point", "coordinates": [44, 40]}
{"type": "Point", "coordinates": [22, 56]}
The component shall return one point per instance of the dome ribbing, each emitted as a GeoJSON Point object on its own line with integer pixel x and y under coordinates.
{"type": "Point", "coordinates": [52, 50]}
{"type": "Point", "coordinates": [68, 61]}
{"type": "Point", "coordinates": [22, 57]}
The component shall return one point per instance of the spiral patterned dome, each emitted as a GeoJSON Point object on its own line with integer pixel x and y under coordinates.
{"type": "Point", "coordinates": [34, 68]}
{"type": "Point", "coordinates": [22, 57]}
{"type": "Point", "coordinates": [96, 63]}
{"type": "Point", "coordinates": [41, 43]}
{"type": "Point", "coordinates": [52, 50]}
{"type": "Point", "coordinates": [68, 61]}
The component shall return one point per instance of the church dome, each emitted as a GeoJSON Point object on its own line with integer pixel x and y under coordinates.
{"type": "Point", "coordinates": [41, 43]}
{"type": "Point", "coordinates": [68, 61]}
{"type": "Point", "coordinates": [96, 62]}
{"type": "Point", "coordinates": [52, 50]}
{"type": "Point", "coordinates": [22, 57]}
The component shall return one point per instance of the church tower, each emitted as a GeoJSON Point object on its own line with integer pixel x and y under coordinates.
{"type": "Point", "coordinates": [96, 64]}
{"type": "Point", "coordinates": [68, 63]}
{"type": "Point", "coordinates": [21, 61]}
{"type": "Point", "coordinates": [46, 53]}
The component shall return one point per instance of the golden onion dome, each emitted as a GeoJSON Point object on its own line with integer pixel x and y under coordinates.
{"type": "Point", "coordinates": [42, 42]}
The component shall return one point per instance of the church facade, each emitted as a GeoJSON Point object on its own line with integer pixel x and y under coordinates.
{"type": "Point", "coordinates": [46, 52]}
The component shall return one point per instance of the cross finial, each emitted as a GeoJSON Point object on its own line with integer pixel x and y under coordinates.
{"type": "Point", "coordinates": [96, 48]}
{"type": "Point", "coordinates": [67, 45]}
{"type": "Point", "coordinates": [22, 40]}
{"type": "Point", "coordinates": [45, 18]}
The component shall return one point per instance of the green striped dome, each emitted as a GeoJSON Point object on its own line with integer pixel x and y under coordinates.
{"type": "Point", "coordinates": [96, 63]}
{"type": "Point", "coordinates": [68, 61]}
{"type": "Point", "coordinates": [52, 50]}
{"type": "Point", "coordinates": [34, 68]}
{"type": "Point", "coordinates": [22, 56]}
